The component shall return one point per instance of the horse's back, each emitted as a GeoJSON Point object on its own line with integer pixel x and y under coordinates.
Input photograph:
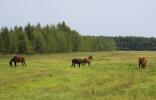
{"type": "Point", "coordinates": [85, 60]}
{"type": "Point", "coordinates": [76, 60]}
{"type": "Point", "coordinates": [19, 59]}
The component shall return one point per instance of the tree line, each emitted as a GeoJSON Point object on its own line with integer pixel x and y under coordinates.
{"type": "Point", "coordinates": [37, 39]}
{"type": "Point", "coordinates": [33, 39]}
{"type": "Point", "coordinates": [135, 43]}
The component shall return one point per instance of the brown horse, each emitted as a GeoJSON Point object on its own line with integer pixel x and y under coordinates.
{"type": "Point", "coordinates": [142, 62]}
{"type": "Point", "coordinates": [87, 60]}
{"type": "Point", "coordinates": [17, 59]}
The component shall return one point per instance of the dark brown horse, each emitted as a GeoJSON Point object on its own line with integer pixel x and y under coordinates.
{"type": "Point", "coordinates": [142, 62]}
{"type": "Point", "coordinates": [17, 59]}
{"type": "Point", "coordinates": [76, 61]}
{"type": "Point", "coordinates": [87, 60]}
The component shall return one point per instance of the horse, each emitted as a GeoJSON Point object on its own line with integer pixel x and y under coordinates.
{"type": "Point", "coordinates": [142, 62]}
{"type": "Point", "coordinates": [87, 60]}
{"type": "Point", "coordinates": [76, 61]}
{"type": "Point", "coordinates": [17, 59]}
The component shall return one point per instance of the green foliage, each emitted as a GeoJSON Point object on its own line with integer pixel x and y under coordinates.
{"type": "Point", "coordinates": [50, 39]}
{"type": "Point", "coordinates": [48, 34]}
{"type": "Point", "coordinates": [60, 38]}
{"type": "Point", "coordinates": [39, 42]}
{"type": "Point", "coordinates": [14, 42]}
{"type": "Point", "coordinates": [5, 40]}
{"type": "Point", "coordinates": [135, 43]}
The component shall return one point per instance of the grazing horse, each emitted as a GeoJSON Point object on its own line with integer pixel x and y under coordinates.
{"type": "Point", "coordinates": [142, 62]}
{"type": "Point", "coordinates": [76, 61]}
{"type": "Point", "coordinates": [18, 59]}
{"type": "Point", "coordinates": [87, 60]}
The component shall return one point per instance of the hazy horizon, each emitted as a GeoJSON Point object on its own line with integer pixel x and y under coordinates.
{"type": "Point", "coordinates": [88, 17]}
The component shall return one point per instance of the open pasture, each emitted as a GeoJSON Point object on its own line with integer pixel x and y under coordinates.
{"type": "Point", "coordinates": [111, 76]}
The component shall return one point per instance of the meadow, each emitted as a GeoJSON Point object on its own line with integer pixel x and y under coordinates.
{"type": "Point", "coordinates": [111, 76]}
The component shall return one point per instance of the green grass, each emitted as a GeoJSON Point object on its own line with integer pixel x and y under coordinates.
{"type": "Point", "coordinates": [111, 76]}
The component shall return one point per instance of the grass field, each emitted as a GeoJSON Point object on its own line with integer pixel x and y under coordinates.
{"type": "Point", "coordinates": [111, 76]}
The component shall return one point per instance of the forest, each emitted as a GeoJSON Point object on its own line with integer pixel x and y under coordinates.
{"type": "Point", "coordinates": [37, 39]}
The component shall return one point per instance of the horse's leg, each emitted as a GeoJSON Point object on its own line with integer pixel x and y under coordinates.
{"type": "Point", "coordinates": [22, 64]}
{"type": "Point", "coordinates": [15, 63]}
{"type": "Point", "coordinates": [72, 65]}
{"type": "Point", "coordinates": [79, 65]}
{"type": "Point", "coordinates": [139, 64]}
{"type": "Point", "coordinates": [84, 63]}
{"type": "Point", "coordinates": [25, 63]}
{"type": "Point", "coordinates": [88, 63]}
{"type": "Point", "coordinates": [143, 66]}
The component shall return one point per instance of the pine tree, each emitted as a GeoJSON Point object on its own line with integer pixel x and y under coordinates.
{"type": "Point", "coordinates": [5, 40]}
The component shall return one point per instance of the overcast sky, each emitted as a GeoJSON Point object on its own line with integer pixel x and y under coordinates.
{"type": "Point", "coordinates": [89, 17]}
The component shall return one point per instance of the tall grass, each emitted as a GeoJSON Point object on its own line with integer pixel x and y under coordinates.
{"type": "Point", "coordinates": [111, 76]}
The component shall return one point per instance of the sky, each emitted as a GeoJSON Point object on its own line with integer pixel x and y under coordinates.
{"type": "Point", "coordinates": [88, 17]}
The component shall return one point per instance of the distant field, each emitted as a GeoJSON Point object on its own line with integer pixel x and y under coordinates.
{"type": "Point", "coordinates": [111, 76]}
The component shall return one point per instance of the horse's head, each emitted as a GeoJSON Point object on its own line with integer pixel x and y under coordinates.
{"type": "Point", "coordinates": [12, 60]}
{"type": "Point", "coordinates": [10, 63]}
{"type": "Point", "coordinates": [90, 58]}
